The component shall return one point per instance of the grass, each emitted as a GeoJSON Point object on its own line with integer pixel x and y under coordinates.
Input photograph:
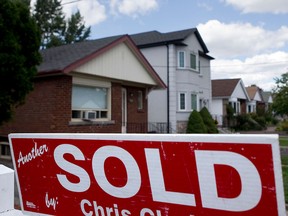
{"type": "Point", "coordinates": [285, 181]}
{"type": "Point", "coordinates": [283, 141]}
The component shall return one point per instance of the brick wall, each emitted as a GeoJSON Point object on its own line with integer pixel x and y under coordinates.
{"type": "Point", "coordinates": [48, 110]}
{"type": "Point", "coordinates": [136, 118]}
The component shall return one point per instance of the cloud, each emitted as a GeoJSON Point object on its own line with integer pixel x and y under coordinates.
{"type": "Point", "coordinates": [92, 11]}
{"type": "Point", "coordinates": [133, 8]}
{"type": "Point", "coordinates": [241, 39]}
{"type": "Point", "coordinates": [260, 6]}
{"type": "Point", "coordinates": [259, 69]}
{"type": "Point", "coordinates": [95, 11]}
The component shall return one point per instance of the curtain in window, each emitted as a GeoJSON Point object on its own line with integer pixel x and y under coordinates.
{"type": "Point", "coordinates": [89, 98]}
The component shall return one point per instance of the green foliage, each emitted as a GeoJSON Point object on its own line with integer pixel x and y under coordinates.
{"type": "Point", "coordinates": [76, 31]}
{"type": "Point", "coordinates": [283, 126]}
{"type": "Point", "coordinates": [195, 123]}
{"type": "Point", "coordinates": [19, 54]}
{"type": "Point", "coordinates": [51, 21]}
{"type": "Point", "coordinates": [230, 115]}
{"type": "Point", "coordinates": [245, 122]}
{"type": "Point", "coordinates": [280, 100]}
{"type": "Point", "coordinates": [55, 31]}
{"type": "Point", "coordinates": [208, 121]}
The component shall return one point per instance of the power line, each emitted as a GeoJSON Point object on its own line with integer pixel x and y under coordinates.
{"type": "Point", "coordinates": [70, 2]}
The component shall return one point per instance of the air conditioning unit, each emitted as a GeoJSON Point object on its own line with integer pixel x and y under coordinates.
{"type": "Point", "coordinates": [90, 115]}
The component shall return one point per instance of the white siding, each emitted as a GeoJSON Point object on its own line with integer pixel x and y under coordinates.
{"type": "Point", "coordinates": [257, 96]}
{"type": "Point", "coordinates": [217, 110]}
{"type": "Point", "coordinates": [239, 92]}
{"type": "Point", "coordinates": [185, 80]}
{"type": "Point", "coordinates": [118, 63]}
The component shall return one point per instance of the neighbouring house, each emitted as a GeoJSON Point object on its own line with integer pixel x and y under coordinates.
{"type": "Point", "coordinates": [267, 100]}
{"type": "Point", "coordinates": [181, 60]}
{"type": "Point", "coordinates": [89, 87]}
{"type": "Point", "coordinates": [256, 100]}
{"type": "Point", "coordinates": [228, 92]}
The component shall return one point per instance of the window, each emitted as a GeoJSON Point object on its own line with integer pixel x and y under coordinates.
{"type": "Point", "coordinates": [193, 61]}
{"type": "Point", "coordinates": [182, 101]}
{"type": "Point", "coordinates": [181, 59]}
{"type": "Point", "coordinates": [5, 150]}
{"type": "Point", "coordinates": [193, 101]}
{"type": "Point", "coordinates": [140, 100]}
{"type": "Point", "coordinates": [89, 103]}
{"type": "Point", "coordinates": [235, 106]}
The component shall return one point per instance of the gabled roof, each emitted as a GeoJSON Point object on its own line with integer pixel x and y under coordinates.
{"type": "Point", "coordinates": [252, 92]}
{"type": "Point", "coordinates": [61, 58]}
{"type": "Point", "coordinates": [267, 96]}
{"type": "Point", "coordinates": [155, 38]}
{"type": "Point", "coordinates": [224, 87]}
{"type": "Point", "coordinates": [64, 59]}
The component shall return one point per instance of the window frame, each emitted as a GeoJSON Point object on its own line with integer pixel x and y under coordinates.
{"type": "Point", "coordinates": [140, 103]}
{"type": "Point", "coordinates": [101, 114]}
{"type": "Point", "coordinates": [197, 62]}
{"type": "Point", "coordinates": [179, 59]}
{"type": "Point", "coordinates": [196, 98]}
{"type": "Point", "coordinates": [180, 101]}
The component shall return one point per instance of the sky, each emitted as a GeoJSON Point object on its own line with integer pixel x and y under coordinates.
{"type": "Point", "coordinates": [247, 38]}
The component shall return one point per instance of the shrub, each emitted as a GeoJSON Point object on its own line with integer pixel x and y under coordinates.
{"type": "Point", "coordinates": [208, 121]}
{"type": "Point", "coordinates": [195, 123]}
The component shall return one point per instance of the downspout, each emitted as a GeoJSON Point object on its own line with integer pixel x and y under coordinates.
{"type": "Point", "coordinates": [168, 92]}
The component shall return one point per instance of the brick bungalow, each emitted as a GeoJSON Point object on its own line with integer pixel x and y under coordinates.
{"type": "Point", "coordinates": [89, 87]}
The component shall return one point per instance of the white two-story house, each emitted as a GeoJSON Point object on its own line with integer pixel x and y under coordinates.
{"type": "Point", "coordinates": [181, 60]}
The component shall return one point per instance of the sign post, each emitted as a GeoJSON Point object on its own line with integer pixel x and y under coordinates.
{"type": "Point", "coordinates": [148, 175]}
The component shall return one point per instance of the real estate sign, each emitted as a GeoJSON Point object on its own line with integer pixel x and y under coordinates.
{"type": "Point", "coordinates": [148, 175]}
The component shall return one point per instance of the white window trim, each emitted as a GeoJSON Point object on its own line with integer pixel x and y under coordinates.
{"type": "Point", "coordinates": [197, 62]}
{"type": "Point", "coordinates": [179, 101]}
{"type": "Point", "coordinates": [197, 101]}
{"type": "Point", "coordinates": [94, 83]}
{"type": "Point", "coordinates": [178, 59]}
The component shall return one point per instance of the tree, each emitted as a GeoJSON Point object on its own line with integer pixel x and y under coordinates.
{"type": "Point", "coordinates": [19, 55]}
{"type": "Point", "coordinates": [208, 121]}
{"type": "Point", "coordinates": [76, 30]}
{"type": "Point", "coordinates": [51, 21]}
{"type": "Point", "coordinates": [280, 100]}
{"type": "Point", "coordinates": [195, 123]}
{"type": "Point", "coordinates": [55, 30]}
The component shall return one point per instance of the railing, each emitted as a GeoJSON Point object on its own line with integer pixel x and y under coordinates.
{"type": "Point", "coordinates": [151, 127]}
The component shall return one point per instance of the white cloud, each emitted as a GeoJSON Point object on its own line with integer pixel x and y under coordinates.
{"type": "Point", "coordinates": [260, 6]}
{"type": "Point", "coordinates": [241, 39]}
{"type": "Point", "coordinates": [259, 69]}
{"type": "Point", "coordinates": [133, 8]}
{"type": "Point", "coordinates": [92, 11]}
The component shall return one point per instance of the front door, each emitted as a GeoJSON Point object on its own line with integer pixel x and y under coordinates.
{"type": "Point", "coordinates": [124, 110]}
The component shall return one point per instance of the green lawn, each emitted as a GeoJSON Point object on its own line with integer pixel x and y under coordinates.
{"type": "Point", "coordinates": [283, 141]}
{"type": "Point", "coordinates": [285, 181]}
{"type": "Point", "coordinates": [284, 159]}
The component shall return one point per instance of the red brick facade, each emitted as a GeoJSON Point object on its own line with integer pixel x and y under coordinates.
{"type": "Point", "coordinates": [48, 110]}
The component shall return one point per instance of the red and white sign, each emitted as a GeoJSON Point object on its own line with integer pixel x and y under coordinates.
{"type": "Point", "coordinates": [148, 175]}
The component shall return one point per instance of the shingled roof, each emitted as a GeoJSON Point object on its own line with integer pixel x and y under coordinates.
{"type": "Point", "coordinates": [59, 59]}
{"type": "Point", "coordinates": [155, 38]}
{"type": "Point", "coordinates": [224, 87]}
{"type": "Point", "coordinates": [64, 59]}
